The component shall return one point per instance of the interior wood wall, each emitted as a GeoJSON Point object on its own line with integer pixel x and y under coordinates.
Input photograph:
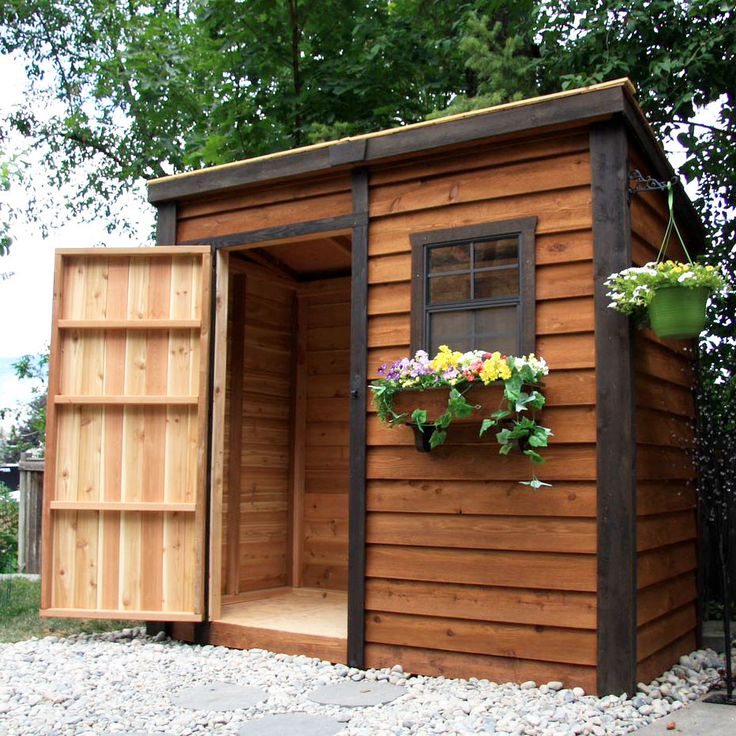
{"type": "Point", "coordinates": [326, 326]}
{"type": "Point", "coordinates": [666, 526]}
{"type": "Point", "coordinates": [468, 571]}
{"type": "Point", "coordinates": [259, 533]}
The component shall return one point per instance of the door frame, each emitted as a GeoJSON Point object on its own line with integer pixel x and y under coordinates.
{"type": "Point", "coordinates": [355, 223]}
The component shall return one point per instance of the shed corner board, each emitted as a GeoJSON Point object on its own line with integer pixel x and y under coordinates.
{"type": "Point", "coordinates": [616, 454]}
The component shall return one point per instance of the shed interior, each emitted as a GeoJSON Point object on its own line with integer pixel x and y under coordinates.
{"type": "Point", "coordinates": [284, 553]}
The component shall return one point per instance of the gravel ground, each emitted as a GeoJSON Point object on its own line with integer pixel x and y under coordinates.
{"type": "Point", "coordinates": [122, 682]}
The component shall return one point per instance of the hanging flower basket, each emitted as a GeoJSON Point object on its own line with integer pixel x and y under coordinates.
{"type": "Point", "coordinates": [678, 312]}
{"type": "Point", "coordinates": [668, 296]}
{"type": "Point", "coordinates": [430, 395]}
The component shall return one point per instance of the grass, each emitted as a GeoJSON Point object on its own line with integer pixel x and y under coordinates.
{"type": "Point", "coordinates": [19, 619]}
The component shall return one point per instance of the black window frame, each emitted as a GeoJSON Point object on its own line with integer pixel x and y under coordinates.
{"type": "Point", "coordinates": [421, 243]}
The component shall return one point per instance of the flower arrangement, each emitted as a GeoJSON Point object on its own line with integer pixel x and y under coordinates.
{"type": "Point", "coordinates": [459, 372]}
{"type": "Point", "coordinates": [632, 290]}
{"type": "Point", "coordinates": [667, 295]}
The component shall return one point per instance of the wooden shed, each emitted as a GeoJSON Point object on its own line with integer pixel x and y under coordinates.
{"type": "Point", "coordinates": [214, 462]}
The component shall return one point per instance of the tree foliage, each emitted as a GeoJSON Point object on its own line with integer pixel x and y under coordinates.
{"type": "Point", "coordinates": [124, 90]}
{"type": "Point", "coordinates": [29, 422]}
{"type": "Point", "coordinates": [8, 531]}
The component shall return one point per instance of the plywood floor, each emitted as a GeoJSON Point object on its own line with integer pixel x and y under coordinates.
{"type": "Point", "coordinates": [296, 610]}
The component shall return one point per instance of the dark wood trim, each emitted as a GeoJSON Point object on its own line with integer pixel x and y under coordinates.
{"type": "Point", "coordinates": [282, 232]}
{"type": "Point", "coordinates": [597, 104]}
{"type": "Point", "coordinates": [166, 224]}
{"type": "Point", "coordinates": [236, 357]}
{"type": "Point", "coordinates": [523, 227]}
{"type": "Point", "coordinates": [347, 152]}
{"type": "Point", "coordinates": [615, 416]}
{"type": "Point", "coordinates": [358, 390]}
{"type": "Point", "coordinates": [688, 217]}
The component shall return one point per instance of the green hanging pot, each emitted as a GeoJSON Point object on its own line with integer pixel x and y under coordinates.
{"type": "Point", "coordinates": [678, 312]}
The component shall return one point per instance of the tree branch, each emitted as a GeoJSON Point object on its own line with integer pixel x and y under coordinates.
{"type": "Point", "coordinates": [692, 123]}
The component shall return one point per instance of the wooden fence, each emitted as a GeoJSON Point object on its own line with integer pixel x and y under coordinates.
{"type": "Point", "coordinates": [29, 514]}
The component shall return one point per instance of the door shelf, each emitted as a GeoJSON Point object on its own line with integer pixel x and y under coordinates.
{"type": "Point", "coordinates": [122, 506]}
{"type": "Point", "coordinates": [126, 400]}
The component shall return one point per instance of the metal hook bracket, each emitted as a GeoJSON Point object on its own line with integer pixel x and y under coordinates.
{"type": "Point", "coordinates": [642, 183]}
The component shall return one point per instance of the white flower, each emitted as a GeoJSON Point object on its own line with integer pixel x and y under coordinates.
{"type": "Point", "coordinates": [685, 276]}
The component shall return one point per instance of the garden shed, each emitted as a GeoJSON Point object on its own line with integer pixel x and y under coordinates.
{"type": "Point", "coordinates": [214, 462]}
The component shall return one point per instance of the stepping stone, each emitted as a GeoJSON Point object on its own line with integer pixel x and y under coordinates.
{"type": "Point", "coordinates": [218, 696]}
{"type": "Point", "coordinates": [357, 694]}
{"type": "Point", "coordinates": [292, 724]}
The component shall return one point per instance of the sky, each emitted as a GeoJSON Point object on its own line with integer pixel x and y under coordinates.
{"type": "Point", "coordinates": [25, 297]}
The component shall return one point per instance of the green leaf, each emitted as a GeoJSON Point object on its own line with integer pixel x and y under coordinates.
{"type": "Point", "coordinates": [420, 418]}
{"type": "Point", "coordinates": [504, 437]}
{"type": "Point", "coordinates": [536, 441]}
{"type": "Point", "coordinates": [485, 425]}
{"type": "Point", "coordinates": [536, 458]}
{"type": "Point", "coordinates": [445, 420]}
{"type": "Point", "coordinates": [438, 437]}
{"type": "Point", "coordinates": [505, 449]}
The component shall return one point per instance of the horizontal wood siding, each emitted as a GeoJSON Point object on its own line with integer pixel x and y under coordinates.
{"type": "Point", "coordinates": [468, 572]}
{"type": "Point", "coordinates": [327, 438]}
{"type": "Point", "coordinates": [666, 526]}
{"type": "Point", "coordinates": [256, 550]}
{"type": "Point", "coordinates": [245, 210]}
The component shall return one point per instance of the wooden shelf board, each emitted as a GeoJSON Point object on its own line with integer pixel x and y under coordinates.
{"type": "Point", "coordinates": [129, 324]}
{"type": "Point", "coordinates": [125, 400]}
{"type": "Point", "coordinates": [122, 614]}
{"type": "Point", "coordinates": [142, 251]}
{"type": "Point", "coordinates": [122, 506]}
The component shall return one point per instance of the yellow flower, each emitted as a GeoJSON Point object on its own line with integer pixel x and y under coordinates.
{"type": "Point", "coordinates": [445, 359]}
{"type": "Point", "coordinates": [494, 368]}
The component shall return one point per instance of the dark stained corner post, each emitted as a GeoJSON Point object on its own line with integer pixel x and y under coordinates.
{"type": "Point", "coordinates": [166, 224]}
{"type": "Point", "coordinates": [358, 389]}
{"type": "Point", "coordinates": [616, 440]}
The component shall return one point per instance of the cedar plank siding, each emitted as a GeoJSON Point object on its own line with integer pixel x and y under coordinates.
{"type": "Point", "coordinates": [255, 543]}
{"type": "Point", "coordinates": [666, 516]}
{"type": "Point", "coordinates": [268, 207]}
{"type": "Point", "coordinates": [467, 571]}
{"type": "Point", "coordinates": [325, 545]}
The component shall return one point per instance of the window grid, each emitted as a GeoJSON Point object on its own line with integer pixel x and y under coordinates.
{"type": "Point", "coordinates": [473, 304]}
{"type": "Point", "coordinates": [473, 237]}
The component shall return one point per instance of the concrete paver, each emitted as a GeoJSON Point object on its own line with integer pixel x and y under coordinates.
{"type": "Point", "coordinates": [698, 719]}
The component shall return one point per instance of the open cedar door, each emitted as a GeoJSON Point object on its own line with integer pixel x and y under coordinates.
{"type": "Point", "coordinates": [125, 496]}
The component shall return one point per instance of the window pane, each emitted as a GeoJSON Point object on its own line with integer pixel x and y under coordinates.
{"type": "Point", "coordinates": [444, 289]}
{"type": "Point", "coordinates": [496, 284]}
{"type": "Point", "coordinates": [505, 344]}
{"type": "Point", "coordinates": [495, 328]}
{"type": "Point", "coordinates": [490, 328]}
{"type": "Point", "coordinates": [449, 258]}
{"type": "Point", "coordinates": [502, 252]}
{"type": "Point", "coordinates": [451, 328]}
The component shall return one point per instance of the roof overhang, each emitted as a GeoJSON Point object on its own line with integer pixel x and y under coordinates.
{"type": "Point", "coordinates": [563, 109]}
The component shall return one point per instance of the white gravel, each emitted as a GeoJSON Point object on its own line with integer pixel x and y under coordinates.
{"type": "Point", "coordinates": [91, 685]}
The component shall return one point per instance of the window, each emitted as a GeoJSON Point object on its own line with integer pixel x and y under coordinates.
{"type": "Point", "coordinates": [473, 287]}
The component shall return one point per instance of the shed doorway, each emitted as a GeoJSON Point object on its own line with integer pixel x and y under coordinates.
{"type": "Point", "coordinates": [283, 564]}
